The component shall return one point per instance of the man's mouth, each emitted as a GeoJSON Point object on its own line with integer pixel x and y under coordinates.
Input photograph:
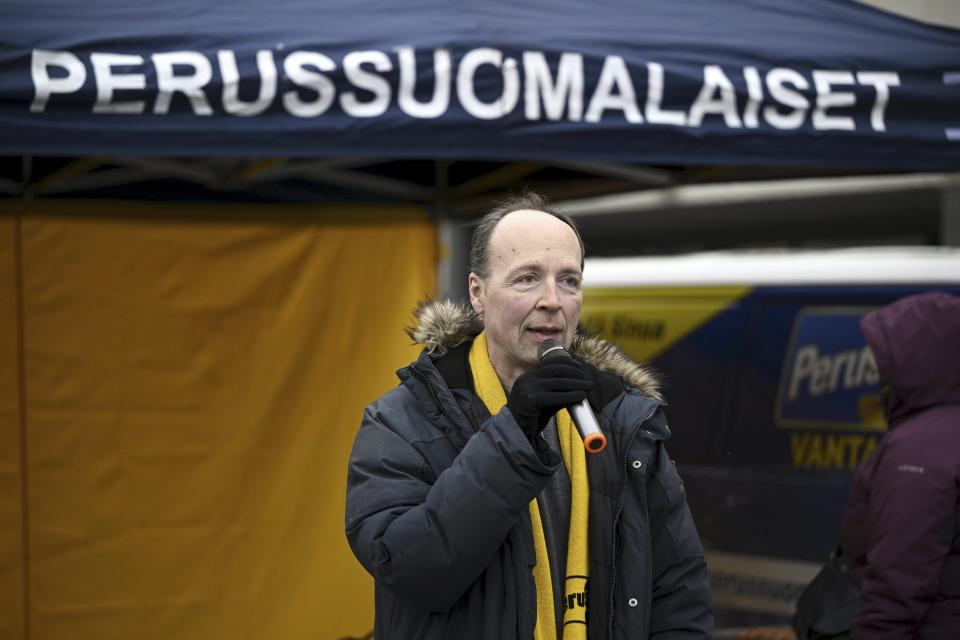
{"type": "Point", "coordinates": [545, 332]}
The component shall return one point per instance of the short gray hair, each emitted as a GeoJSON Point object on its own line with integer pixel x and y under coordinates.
{"type": "Point", "coordinates": [526, 200]}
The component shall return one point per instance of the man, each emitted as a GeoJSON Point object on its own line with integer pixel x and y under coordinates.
{"type": "Point", "coordinates": [470, 498]}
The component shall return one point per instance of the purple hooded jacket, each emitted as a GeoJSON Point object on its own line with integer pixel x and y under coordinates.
{"type": "Point", "coordinates": [901, 528]}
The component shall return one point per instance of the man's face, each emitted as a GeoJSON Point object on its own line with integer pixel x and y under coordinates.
{"type": "Point", "coordinates": [532, 289]}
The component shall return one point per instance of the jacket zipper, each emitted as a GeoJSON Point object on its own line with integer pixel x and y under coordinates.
{"type": "Point", "coordinates": [613, 537]}
{"type": "Point", "coordinates": [422, 377]}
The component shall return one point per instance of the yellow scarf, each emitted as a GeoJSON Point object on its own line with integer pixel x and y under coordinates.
{"type": "Point", "coordinates": [488, 387]}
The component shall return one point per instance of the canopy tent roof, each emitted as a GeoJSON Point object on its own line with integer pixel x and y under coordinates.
{"type": "Point", "coordinates": [825, 83]}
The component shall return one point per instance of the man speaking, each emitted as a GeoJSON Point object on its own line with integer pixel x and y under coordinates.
{"type": "Point", "coordinates": [471, 497]}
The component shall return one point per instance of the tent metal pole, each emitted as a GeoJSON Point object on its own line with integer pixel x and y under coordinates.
{"type": "Point", "coordinates": [502, 177]}
{"type": "Point", "coordinates": [642, 175]}
{"type": "Point", "coordinates": [712, 195]}
{"type": "Point", "coordinates": [453, 239]}
{"type": "Point", "coordinates": [950, 217]}
{"type": "Point", "coordinates": [9, 186]}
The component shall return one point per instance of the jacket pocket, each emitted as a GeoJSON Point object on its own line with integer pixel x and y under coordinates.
{"type": "Point", "coordinates": [678, 520]}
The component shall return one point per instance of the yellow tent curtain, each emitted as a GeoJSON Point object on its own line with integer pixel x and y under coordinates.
{"type": "Point", "coordinates": [181, 385]}
{"type": "Point", "coordinates": [11, 489]}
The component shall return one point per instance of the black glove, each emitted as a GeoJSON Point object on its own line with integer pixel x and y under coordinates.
{"type": "Point", "coordinates": [544, 390]}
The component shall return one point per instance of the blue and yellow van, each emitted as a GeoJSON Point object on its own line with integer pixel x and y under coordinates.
{"type": "Point", "coordinates": [771, 391]}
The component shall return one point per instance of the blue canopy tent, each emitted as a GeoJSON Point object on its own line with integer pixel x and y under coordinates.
{"type": "Point", "coordinates": [829, 83]}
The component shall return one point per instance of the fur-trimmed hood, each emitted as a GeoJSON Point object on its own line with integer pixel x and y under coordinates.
{"type": "Point", "coordinates": [441, 325]}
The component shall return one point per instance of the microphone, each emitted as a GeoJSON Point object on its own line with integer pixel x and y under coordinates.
{"type": "Point", "coordinates": [593, 439]}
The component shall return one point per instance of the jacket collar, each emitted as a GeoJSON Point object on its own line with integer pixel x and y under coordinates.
{"type": "Point", "coordinates": [442, 325]}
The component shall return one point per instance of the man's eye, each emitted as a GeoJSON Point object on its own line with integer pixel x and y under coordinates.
{"type": "Point", "coordinates": [572, 282]}
{"type": "Point", "coordinates": [527, 279]}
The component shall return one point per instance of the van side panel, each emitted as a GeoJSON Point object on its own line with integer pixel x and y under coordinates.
{"type": "Point", "coordinates": [772, 403]}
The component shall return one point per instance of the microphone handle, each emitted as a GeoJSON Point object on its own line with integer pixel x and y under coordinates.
{"type": "Point", "coordinates": [593, 439]}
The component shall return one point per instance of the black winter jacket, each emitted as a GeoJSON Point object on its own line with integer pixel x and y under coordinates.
{"type": "Point", "coordinates": [438, 494]}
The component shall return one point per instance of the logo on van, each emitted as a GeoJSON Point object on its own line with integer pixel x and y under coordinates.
{"type": "Point", "coordinates": [829, 377]}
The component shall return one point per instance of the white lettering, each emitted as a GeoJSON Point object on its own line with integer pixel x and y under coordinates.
{"type": "Point", "coordinates": [782, 98]}
{"type": "Point", "coordinates": [881, 81]}
{"type": "Point", "coordinates": [45, 86]}
{"type": "Point", "coordinates": [776, 81]}
{"type": "Point", "coordinates": [295, 68]}
{"type": "Point", "coordinates": [655, 114]}
{"type": "Point", "coordinates": [566, 91]}
{"type": "Point", "coordinates": [867, 372]}
{"type": "Point", "coordinates": [191, 85]}
{"type": "Point", "coordinates": [440, 101]}
{"type": "Point", "coordinates": [108, 82]}
{"type": "Point", "coordinates": [232, 103]}
{"type": "Point", "coordinates": [911, 468]}
{"type": "Point", "coordinates": [714, 80]}
{"type": "Point", "coordinates": [820, 379]}
{"type": "Point", "coordinates": [466, 92]}
{"type": "Point", "coordinates": [826, 373]}
{"type": "Point", "coordinates": [803, 367]}
{"type": "Point", "coordinates": [614, 75]}
{"type": "Point", "coordinates": [846, 362]}
{"type": "Point", "coordinates": [353, 68]}
{"type": "Point", "coordinates": [827, 98]}
{"type": "Point", "coordinates": [751, 112]}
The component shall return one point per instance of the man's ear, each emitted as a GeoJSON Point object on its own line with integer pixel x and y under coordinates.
{"type": "Point", "coordinates": [475, 287]}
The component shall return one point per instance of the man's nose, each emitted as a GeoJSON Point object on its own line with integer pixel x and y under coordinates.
{"type": "Point", "coordinates": [549, 298]}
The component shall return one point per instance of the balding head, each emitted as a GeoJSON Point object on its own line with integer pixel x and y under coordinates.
{"type": "Point", "coordinates": [526, 201]}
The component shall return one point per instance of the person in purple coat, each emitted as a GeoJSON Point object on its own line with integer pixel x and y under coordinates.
{"type": "Point", "coordinates": [901, 530]}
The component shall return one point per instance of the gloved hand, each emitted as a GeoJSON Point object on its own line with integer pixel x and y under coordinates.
{"type": "Point", "coordinates": [544, 390]}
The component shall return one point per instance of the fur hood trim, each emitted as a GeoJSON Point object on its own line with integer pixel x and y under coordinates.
{"type": "Point", "coordinates": [441, 325]}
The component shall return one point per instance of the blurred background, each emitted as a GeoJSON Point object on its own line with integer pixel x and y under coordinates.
{"type": "Point", "coordinates": [197, 305]}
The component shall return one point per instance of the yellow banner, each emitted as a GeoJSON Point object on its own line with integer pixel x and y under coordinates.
{"type": "Point", "coordinates": [646, 321]}
{"type": "Point", "coordinates": [195, 376]}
